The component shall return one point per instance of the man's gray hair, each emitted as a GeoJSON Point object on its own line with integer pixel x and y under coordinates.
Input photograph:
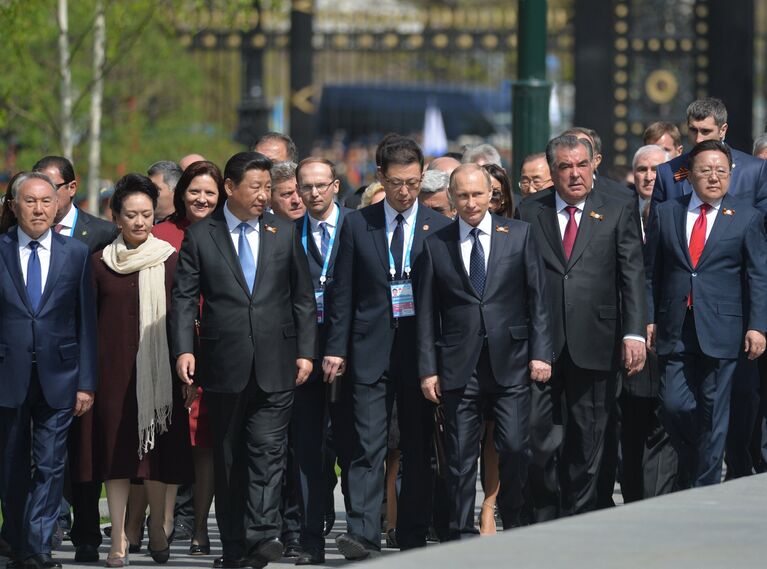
{"type": "Point", "coordinates": [568, 141]}
{"type": "Point", "coordinates": [25, 176]}
{"type": "Point", "coordinates": [171, 172]}
{"type": "Point", "coordinates": [486, 151]}
{"type": "Point", "coordinates": [760, 143]}
{"type": "Point", "coordinates": [647, 149]}
{"type": "Point", "coordinates": [709, 107]}
{"type": "Point", "coordinates": [434, 181]}
{"type": "Point", "coordinates": [282, 171]}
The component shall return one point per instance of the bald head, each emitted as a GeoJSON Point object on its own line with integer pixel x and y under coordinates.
{"type": "Point", "coordinates": [444, 164]}
{"type": "Point", "coordinates": [185, 162]}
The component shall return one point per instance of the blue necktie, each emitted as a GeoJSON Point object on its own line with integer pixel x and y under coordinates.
{"type": "Point", "coordinates": [324, 239]}
{"type": "Point", "coordinates": [34, 276]}
{"type": "Point", "coordinates": [397, 244]}
{"type": "Point", "coordinates": [245, 253]}
{"type": "Point", "coordinates": [477, 264]}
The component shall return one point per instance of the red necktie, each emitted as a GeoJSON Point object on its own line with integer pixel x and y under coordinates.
{"type": "Point", "coordinates": [698, 240]}
{"type": "Point", "coordinates": [571, 230]}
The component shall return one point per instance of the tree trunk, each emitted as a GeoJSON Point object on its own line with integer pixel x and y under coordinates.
{"type": "Point", "coordinates": [66, 81]}
{"type": "Point", "coordinates": [97, 95]}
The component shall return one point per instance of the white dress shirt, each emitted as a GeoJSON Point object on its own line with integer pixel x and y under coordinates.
{"type": "Point", "coordinates": [68, 222]}
{"type": "Point", "coordinates": [43, 253]}
{"type": "Point", "coordinates": [467, 241]}
{"type": "Point", "coordinates": [330, 224]}
{"type": "Point", "coordinates": [563, 217]}
{"type": "Point", "coordinates": [252, 234]}
{"type": "Point", "coordinates": [693, 211]}
{"type": "Point", "coordinates": [407, 226]}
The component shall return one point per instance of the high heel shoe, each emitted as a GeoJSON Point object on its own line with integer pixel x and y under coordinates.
{"type": "Point", "coordinates": [160, 555]}
{"type": "Point", "coordinates": [487, 519]}
{"type": "Point", "coordinates": [199, 549]}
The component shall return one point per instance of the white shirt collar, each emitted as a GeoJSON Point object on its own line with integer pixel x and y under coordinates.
{"type": "Point", "coordinates": [232, 221]}
{"type": "Point", "coordinates": [44, 240]}
{"type": "Point", "coordinates": [391, 213]}
{"type": "Point", "coordinates": [68, 220]}
{"type": "Point", "coordinates": [695, 202]}
{"type": "Point", "coordinates": [562, 204]}
{"type": "Point", "coordinates": [330, 221]}
{"type": "Point", "coordinates": [485, 226]}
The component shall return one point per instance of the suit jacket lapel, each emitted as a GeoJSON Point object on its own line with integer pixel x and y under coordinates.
{"type": "Point", "coordinates": [547, 217]}
{"type": "Point", "coordinates": [268, 233]}
{"type": "Point", "coordinates": [499, 241]}
{"type": "Point", "coordinates": [337, 240]}
{"type": "Point", "coordinates": [59, 254]}
{"type": "Point", "coordinates": [722, 223]}
{"type": "Point", "coordinates": [219, 232]}
{"type": "Point", "coordinates": [680, 224]}
{"type": "Point", "coordinates": [10, 254]}
{"type": "Point", "coordinates": [586, 227]}
{"type": "Point", "coordinates": [376, 219]}
{"type": "Point", "coordinates": [311, 246]}
{"type": "Point", "coordinates": [454, 250]}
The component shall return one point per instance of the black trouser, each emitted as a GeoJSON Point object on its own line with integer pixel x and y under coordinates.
{"type": "Point", "coordinates": [86, 524]}
{"type": "Point", "coordinates": [638, 422]}
{"type": "Point", "coordinates": [464, 425]}
{"type": "Point", "coordinates": [250, 431]}
{"type": "Point", "coordinates": [371, 411]}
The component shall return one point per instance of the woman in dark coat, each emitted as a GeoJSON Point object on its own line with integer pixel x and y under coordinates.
{"type": "Point", "coordinates": [139, 427]}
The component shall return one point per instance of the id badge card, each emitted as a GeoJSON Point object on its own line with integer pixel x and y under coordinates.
{"type": "Point", "coordinates": [319, 299]}
{"type": "Point", "coordinates": [402, 299]}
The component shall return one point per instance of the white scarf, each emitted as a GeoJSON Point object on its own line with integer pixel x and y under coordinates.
{"type": "Point", "coordinates": [154, 389]}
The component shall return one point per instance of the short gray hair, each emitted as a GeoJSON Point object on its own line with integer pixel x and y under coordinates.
{"type": "Point", "coordinates": [282, 171]}
{"type": "Point", "coordinates": [434, 181]}
{"type": "Point", "coordinates": [568, 141]}
{"type": "Point", "coordinates": [171, 172]}
{"type": "Point", "coordinates": [486, 151]}
{"type": "Point", "coordinates": [646, 149]}
{"type": "Point", "coordinates": [26, 176]}
{"type": "Point", "coordinates": [760, 143]}
{"type": "Point", "coordinates": [709, 107]}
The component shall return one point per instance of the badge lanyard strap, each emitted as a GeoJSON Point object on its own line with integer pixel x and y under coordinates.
{"type": "Point", "coordinates": [406, 267]}
{"type": "Point", "coordinates": [74, 223]}
{"type": "Point", "coordinates": [305, 242]}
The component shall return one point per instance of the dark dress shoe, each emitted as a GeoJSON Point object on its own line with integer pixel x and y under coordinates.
{"type": "Point", "coordinates": [41, 561]}
{"type": "Point", "coordinates": [228, 563]}
{"type": "Point", "coordinates": [181, 533]}
{"type": "Point", "coordinates": [198, 549]}
{"type": "Point", "coordinates": [311, 557]}
{"type": "Point", "coordinates": [86, 553]}
{"type": "Point", "coordinates": [134, 547]}
{"type": "Point", "coordinates": [354, 548]}
{"type": "Point", "coordinates": [328, 523]}
{"type": "Point", "coordinates": [292, 548]}
{"type": "Point", "coordinates": [269, 549]}
{"type": "Point", "coordinates": [14, 563]}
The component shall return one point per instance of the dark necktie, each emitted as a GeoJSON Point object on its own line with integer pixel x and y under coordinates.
{"type": "Point", "coordinates": [34, 276]}
{"type": "Point", "coordinates": [324, 239]}
{"type": "Point", "coordinates": [477, 264]}
{"type": "Point", "coordinates": [571, 230]}
{"type": "Point", "coordinates": [245, 253]}
{"type": "Point", "coordinates": [397, 244]}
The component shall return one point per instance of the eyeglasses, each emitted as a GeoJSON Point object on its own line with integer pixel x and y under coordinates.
{"type": "Point", "coordinates": [412, 184]}
{"type": "Point", "coordinates": [720, 173]}
{"type": "Point", "coordinates": [321, 188]}
{"type": "Point", "coordinates": [61, 185]}
{"type": "Point", "coordinates": [537, 183]}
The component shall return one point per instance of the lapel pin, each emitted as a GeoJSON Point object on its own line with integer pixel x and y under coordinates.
{"type": "Point", "coordinates": [426, 227]}
{"type": "Point", "coordinates": [597, 216]}
{"type": "Point", "coordinates": [85, 232]}
{"type": "Point", "coordinates": [726, 211]}
{"type": "Point", "coordinates": [270, 228]}
{"type": "Point", "coordinates": [502, 228]}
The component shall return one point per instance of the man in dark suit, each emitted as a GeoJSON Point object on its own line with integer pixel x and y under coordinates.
{"type": "Point", "coordinates": [592, 250]}
{"type": "Point", "coordinates": [372, 332]}
{"type": "Point", "coordinates": [256, 343]}
{"type": "Point", "coordinates": [47, 362]}
{"type": "Point", "coordinates": [483, 333]}
{"type": "Point", "coordinates": [96, 233]}
{"type": "Point", "coordinates": [706, 266]}
{"type": "Point", "coordinates": [313, 410]}
{"type": "Point", "coordinates": [707, 120]}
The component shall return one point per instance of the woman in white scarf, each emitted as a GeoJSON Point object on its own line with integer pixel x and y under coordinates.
{"type": "Point", "coordinates": [141, 429]}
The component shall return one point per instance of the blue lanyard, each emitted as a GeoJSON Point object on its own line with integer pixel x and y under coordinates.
{"type": "Point", "coordinates": [326, 260]}
{"type": "Point", "coordinates": [74, 223]}
{"type": "Point", "coordinates": [408, 248]}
